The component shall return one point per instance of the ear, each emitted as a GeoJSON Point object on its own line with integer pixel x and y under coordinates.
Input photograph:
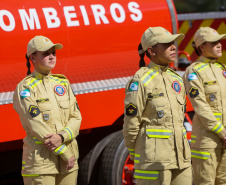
{"type": "Point", "coordinates": [202, 47]}
{"type": "Point", "coordinates": [32, 57]}
{"type": "Point", "coordinates": [151, 51]}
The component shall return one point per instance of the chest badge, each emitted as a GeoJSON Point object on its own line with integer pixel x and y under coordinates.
{"type": "Point", "coordinates": [176, 86]}
{"type": "Point", "coordinates": [212, 97]}
{"type": "Point", "coordinates": [59, 90]}
{"type": "Point", "coordinates": [160, 113]}
{"type": "Point", "coordinates": [224, 73]}
{"type": "Point", "coordinates": [46, 117]}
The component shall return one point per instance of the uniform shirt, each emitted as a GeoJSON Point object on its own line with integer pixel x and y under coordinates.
{"type": "Point", "coordinates": [205, 82]}
{"type": "Point", "coordinates": [46, 104]}
{"type": "Point", "coordinates": [154, 115]}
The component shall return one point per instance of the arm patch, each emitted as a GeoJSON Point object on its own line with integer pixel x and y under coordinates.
{"type": "Point", "coordinates": [33, 111]}
{"type": "Point", "coordinates": [131, 110]}
{"type": "Point", "coordinates": [193, 92]}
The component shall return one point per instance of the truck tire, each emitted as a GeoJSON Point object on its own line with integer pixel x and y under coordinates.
{"type": "Point", "coordinates": [115, 165]}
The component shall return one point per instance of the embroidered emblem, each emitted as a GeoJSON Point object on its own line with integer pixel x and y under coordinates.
{"type": "Point", "coordinates": [212, 97]}
{"type": "Point", "coordinates": [151, 96]}
{"type": "Point", "coordinates": [59, 90]}
{"type": "Point", "coordinates": [131, 110]}
{"type": "Point", "coordinates": [33, 111]}
{"type": "Point", "coordinates": [210, 83]}
{"type": "Point", "coordinates": [25, 93]}
{"type": "Point", "coordinates": [133, 86]}
{"type": "Point", "coordinates": [176, 86]}
{"type": "Point", "coordinates": [193, 92]}
{"type": "Point", "coordinates": [46, 117]}
{"type": "Point", "coordinates": [42, 100]}
{"type": "Point", "coordinates": [192, 76]}
{"type": "Point", "coordinates": [160, 113]}
{"type": "Point", "coordinates": [224, 73]}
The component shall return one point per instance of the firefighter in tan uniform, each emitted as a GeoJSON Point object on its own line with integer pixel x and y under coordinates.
{"type": "Point", "coordinates": [50, 116]}
{"type": "Point", "coordinates": [154, 115]}
{"type": "Point", "coordinates": [205, 82]}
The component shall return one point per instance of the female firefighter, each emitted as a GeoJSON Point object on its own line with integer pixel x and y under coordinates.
{"type": "Point", "coordinates": [154, 114]}
{"type": "Point", "coordinates": [206, 87]}
{"type": "Point", "coordinates": [50, 116]}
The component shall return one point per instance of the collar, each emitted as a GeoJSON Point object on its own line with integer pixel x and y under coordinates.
{"type": "Point", "coordinates": [41, 76]}
{"type": "Point", "coordinates": [206, 60]}
{"type": "Point", "coordinates": [158, 67]}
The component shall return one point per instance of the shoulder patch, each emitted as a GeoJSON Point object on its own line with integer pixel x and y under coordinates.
{"type": "Point", "coordinates": [193, 92]}
{"type": "Point", "coordinates": [131, 109]}
{"type": "Point", "coordinates": [192, 76]}
{"type": "Point", "coordinates": [25, 93]}
{"type": "Point", "coordinates": [133, 86]}
{"type": "Point", "coordinates": [33, 111]}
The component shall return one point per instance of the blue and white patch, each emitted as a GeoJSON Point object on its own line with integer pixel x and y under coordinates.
{"type": "Point", "coordinates": [133, 86]}
{"type": "Point", "coordinates": [176, 86]}
{"type": "Point", "coordinates": [192, 76]}
{"type": "Point", "coordinates": [59, 90]}
{"type": "Point", "coordinates": [25, 93]}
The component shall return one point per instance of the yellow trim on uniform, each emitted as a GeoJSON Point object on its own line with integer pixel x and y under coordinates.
{"type": "Point", "coordinates": [201, 67]}
{"type": "Point", "coordinates": [30, 175]}
{"type": "Point", "coordinates": [151, 175]}
{"type": "Point", "coordinates": [159, 133]}
{"type": "Point", "coordinates": [34, 82]}
{"type": "Point", "coordinates": [185, 133]}
{"type": "Point", "coordinates": [219, 65]}
{"type": "Point", "coordinates": [175, 77]}
{"type": "Point", "coordinates": [131, 151]}
{"type": "Point", "coordinates": [200, 155]}
{"type": "Point", "coordinates": [58, 80]}
{"type": "Point", "coordinates": [218, 128]}
{"type": "Point", "coordinates": [149, 76]}
{"type": "Point", "coordinates": [218, 115]}
{"type": "Point", "coordinates": [137, 158]}
{"type": "Point", "coordinates": [193, 138]}
{"type": "Point", "coordinates": [69, 131]}
{"type": "Point", "coordinates": [37, 141]}
{"type": "Point", "coordinates": [61, 149]}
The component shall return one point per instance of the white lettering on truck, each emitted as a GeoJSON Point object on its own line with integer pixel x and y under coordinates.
{"type": "Point", "coordinates": [30, 19]}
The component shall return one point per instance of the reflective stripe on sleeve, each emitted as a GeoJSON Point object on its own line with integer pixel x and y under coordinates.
{"type": "Point", "coordinates": [137, 158]}
{"type": "Point", "coordinates": [57, 80]}
{"type": "Point", "coordinates": [37, 141]}
{"type": "Point", "coordinates": [23, 164]}
{"type": "Point", "coordinates": [158, 133]}
{"type": "Point", "coordinates": [201, 67]}
{"type": "Point", "coordinates": [131, 151]}
{"type": "Point", "coordinates": [69, 131]}
{"type": "Point", "coordinates": [150, 75]}
{"type": "Point", "coordinates": [61, 149]}
{"type": "Point", "coordinates": [219, 65]}
{"type": "Point", "coordinates": [218, 116]}
{"type": "Point", "coordinates": [218, 128]}
{"type": "Point", "coordinates": [193, 139]}
{"type": "Point", "coordinates": [30, 175]}
{"type": "Point", "coordinates": [140, 174]}
{"type": "Point", "coordinates": [185, 133]}
{"type": "Point", "coordinates": [200, 155]}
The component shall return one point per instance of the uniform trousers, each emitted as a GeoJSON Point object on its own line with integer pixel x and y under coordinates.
{"type": "Point", "coordinates": [170, 177]}
{"type": "Point", "coordinates": [53, 179]}
{"type": "Point", "coordinates": [211, 171]}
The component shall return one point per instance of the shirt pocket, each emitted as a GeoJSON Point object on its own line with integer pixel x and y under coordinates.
{"type": "Point", "coordinates": [45, 109]}
{"type": "Point", "coordinates": [181, 107]}
{"type": "Point", "coordinates": [64, 111]}
{"type": "Point", "coordinates": [211, 94]}
{"type": "Point", "coordinates": [159, 145]}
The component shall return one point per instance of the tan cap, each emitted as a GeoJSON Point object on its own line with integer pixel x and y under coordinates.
{"type": "Point", "coordinates": [207, 34]}
{"type": "Point", "coordinates": [41, 43]}
{"type": "Point", "coordinates": [155, 35]}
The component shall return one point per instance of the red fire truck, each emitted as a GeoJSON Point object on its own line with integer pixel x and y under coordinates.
{"type": "Point", "coordinates": [100, 40]}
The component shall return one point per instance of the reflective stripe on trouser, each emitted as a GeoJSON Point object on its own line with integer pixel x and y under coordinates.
{"type": "Point", "coordinates": [52, 179]}
{"type": "Point", "coordinates": [175, 177]}
{"type": "Point", "coordinates": [211, 171]}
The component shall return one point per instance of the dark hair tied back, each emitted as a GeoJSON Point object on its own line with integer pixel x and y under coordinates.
{"type": "Point", "coordinates": [197, 50]}
{"type": "Point", "coordinates": [142, 54]}
{"type": "Point", "coordinates": [28, 65]}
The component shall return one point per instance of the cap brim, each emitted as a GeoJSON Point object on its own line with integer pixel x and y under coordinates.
{"type": "Point", "coordinates": [171, 38]}
{"type": "Point", "coordinates": [216, 38]}
{"type": "Point", "coordinates": [47, 47]}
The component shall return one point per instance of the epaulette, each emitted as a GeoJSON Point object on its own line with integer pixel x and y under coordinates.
{"type": "Point", "coordinates": [58, 78]}
{"type": "Point", "coordinates": [175, 75]}
{"type": "Point", "coordinates": [199, 66]}
{"type": "Point", "coordinates": [141, 72]}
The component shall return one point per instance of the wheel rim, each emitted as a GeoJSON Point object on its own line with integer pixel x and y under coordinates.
{"type": "Point", "coordinates": [127, 175]}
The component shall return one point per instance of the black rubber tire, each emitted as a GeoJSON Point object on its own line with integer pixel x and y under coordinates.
{"type": "Point", "coordinates": [112, 162]}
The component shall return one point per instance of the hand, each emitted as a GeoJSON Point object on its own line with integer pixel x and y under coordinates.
{"type": "Point", "coordinates": [70, 163]}
{"type": "Point", "coordinates": [53, 141]}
